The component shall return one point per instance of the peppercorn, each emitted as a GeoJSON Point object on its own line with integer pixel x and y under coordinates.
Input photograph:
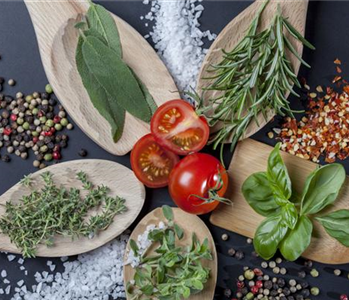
{"type": "Point", "coordinates": [276, 270]}
{"type": "Point", "coordinates": [315, 291]}
{"type": "Point", "coordinates": [83, 153]}
{"type": "Point", "coordinates": [5, 158]}
{"type": "Point", "coordinates": [70, 126]}
{"type": "Point", "coordinates": [264, 265]}
{"type": "Point", "coordinates": [314, 273]}
{"type": "Point", "coordinates": [343, 297]}
{"type": "Point", "coordinates": [48, 89]}
{"type": "Point", "coordinates": [302, 274]}
{"type": "Point", "coordinates": [337, 272]}
{"type": "Point", "coordinates": [268, 284]}
{"type": "Point", "coordinates": [308, 263]}
{"type": "Point", "coordinates": [227, 293]}
{"type": "Point", "coordinates": [249, 274]}
{"type": "Point", "coordinates": [231, 252]}
{"type": "Point", "coordinates": [238, 255]}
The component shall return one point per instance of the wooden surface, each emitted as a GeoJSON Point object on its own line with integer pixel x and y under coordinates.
{"type": "Point", "coordinates": [250, 157]}
{"type": "Point", "coordinates": [189, 223]}
{"type": "Point", "coordinates": [118, 178]}
{"type": "Point", "coordinates": [57, 38]}
{"type": "Point", "coordinates": [234, 32]}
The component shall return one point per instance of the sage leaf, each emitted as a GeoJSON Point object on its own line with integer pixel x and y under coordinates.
{"type": "Point", "coordinates": [322, 188]}
{"type": "Point", "coordinates": [101, 20]}
{"type": "Point", "coordinates": [278, 177]}
{"type": "Point", "coordinates": [289, 215]}
{"type": "Point", "coordinates": [168, 213]}
{"type": "Point", "coordinates": [336, 225]}
{"type": "Point", "coordinates": [268, 236]}
{"type": "Point", "coordinates": [115, 77]}
{"type": "Point", "coordinates": [101, 100]}
{"type": "Point", "coordinates": [259, 195]}
{"type": "Point", "coordinates": [297, 240]}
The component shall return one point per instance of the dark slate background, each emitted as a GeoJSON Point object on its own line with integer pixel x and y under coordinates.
{"type": "Point", "coordinates": [327, 28]}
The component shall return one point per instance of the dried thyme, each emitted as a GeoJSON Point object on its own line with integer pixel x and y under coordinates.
{"type": "Point", "coordinates": [52, 210]}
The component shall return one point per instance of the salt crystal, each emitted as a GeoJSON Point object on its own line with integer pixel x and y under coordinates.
{"type": "Point", "coordinates": [20, 283]}
{"type": "Point", "coordinates": [8, 290]}
{"type": "Point", "coordinates": [3, 273]}
{"type": "Point", "coordinates": [21, 261]}
{"type": "Point", "coordinates": [11, 257]}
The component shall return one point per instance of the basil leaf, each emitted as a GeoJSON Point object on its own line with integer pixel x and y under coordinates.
{"type": "Point", "coordinates": [336, 225]}
{"type": "Point", "coordinates": [101, 20]}
{"type": "Point", "coordinates": [168, 213]}
{"type": "Point", "coordinates": [289, 215]}
{"type": "Point", "coordinates": [115, 77]}
{"type": "Point", "coordinates": [297, 240]}
{"type": "Point", "coordinates": [277, 174]}
{"type": "Point", "coordinates": [268, 236]}
{"type": "Point", "coordinates": [259, 195]}
{"type": "Point", "coordinates": [322, 188]}
{"type": "Point", "coordinates": [106, 106]}
{"type": "Point", "coordinates": [134, 247]}
{"type": "Point", "coordinates": [179, 231]}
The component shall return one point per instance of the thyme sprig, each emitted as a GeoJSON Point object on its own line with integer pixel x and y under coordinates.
{"type": "Point", "coordinates": [252, 78]}
{"type": "Point", "coordinates": [173, 272]}
{"type": "Point", "coordinates": [43, 214]}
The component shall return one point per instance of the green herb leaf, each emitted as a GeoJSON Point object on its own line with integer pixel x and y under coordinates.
{"type": "Point", "coordinates": [259, 195]}
{"type": "Point", "coordinates": [102, 21]}
{"type": "Point", "coordinates": [134, 246]}
{"type": "Point", "coordinates": [168, 213]}
{"type": "Point", "coordinates": [336, 225]}
{"type": "Point", "coordinates": [115, 77]}
{"type": "Point", "coordinates": [101, 100]}
{"type": "Point", "coordinates": [278, 177]}
{"type": "Point", "coordinates": [179, 231]}
{"type": "Point", "coordinates": [289, 215]}
{"type": "Point", "coordinates": [297, 240]}
{"type": "Point", "coordinates": [268, 236]}
{"type": "Point", "coordinates": [322, 188]}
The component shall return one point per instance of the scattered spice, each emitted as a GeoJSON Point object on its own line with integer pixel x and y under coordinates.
{"type": "Point", "coordinates": [337, 272]}
{"type": "Point", "coordinates": [26, 223]}
{"type": "Point", "coordinates": [314, 273]}
{"type": "Point", "coordinates": [11, 82]}
{"type": "Point", "coordinates": [325, 128]}
{"type": "Point", "coordinates": [231, 252]}
{"type": "Point", "coordinates": [83, 153]}
{"type": "Point", "coordinates": [225, 237]}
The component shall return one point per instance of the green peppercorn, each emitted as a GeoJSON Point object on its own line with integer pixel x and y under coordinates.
{"type": "Point", "coordinates": [43, 120]}
{"type": "Point", "coordinates": [35, 111]}
{"type": "Point", "coordinates": [25, 125]}
{"type": "Point", "coordinates": [64, 122]}
{"type": "Point", "coordinates": [249, 274]}
{"type": "Point", "coordinates": [48, 157]}
{"type": "Point", "coordinates": [315, 291]}
{"type": "Point", "coordinates": [45, 128]}
{"type": "Point", "coordinates": [43, 149]}
{"type": "Point", "coordinates": [34, 133]}
{"type": "Point", "coordinates": [314, 273]}
{"type": "Point", "coordinates": [20, 121]}
{"type": "Point", "coordinates": [48, 89]}
{"type": "Point", "coordinates": [58, 127]}
{"type": "Point", "coordinates": [49, 123]}
{"type": "Point", "coordinates": [29, 98]}
{"type": "Point", "coordinates": [249, 296]}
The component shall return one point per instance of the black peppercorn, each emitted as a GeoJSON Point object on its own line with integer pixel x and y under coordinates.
{"type": "Point", "coordinates": [8, 99]}
{"type": "Point", "coordinates": [14, 125]}
{"type": "Point", "coordinates": [304, 284]}
{"type": "Point", "coordinates": [244, 291]}
{"type": "Point", "coordinates": [47, 140]}
{"type": "Point", "coordinates": [29, 119]}
{"type": "Point", "coordinates": [281, 282]}
{"type": "Point", "coordinates": [283, 298]}
{"type": "Point", "coordinates": [50, 145]}
{"type": "Point", "coordinates": [65, 137]}
{"type": "Point", "coordinates": [227, 293]}
{"type": "Point", "coordinates": [19, 138]}
{"type": "Point", "coordinates": [45, 108]}
{"type": "Point", "coordinates": [231, 252]}
{"type": "Point", "coordinates": [32, 127]}
{"type": "Point", "coordinates": [52, 102]}
{"type": "Point", "coordinates": [268, 284]}
{"type": "Point", "coordinates": [239, 255]}
{"type": "Point", "coordinates": [26, 138]}
{"type": "Point", "coordinates": [7, 143]}
{"type": "Point", "coordinates": [290, 298]}
{"type": "Point", "coordinates": [83, 153]}
{"type": "Point", "coordinates": [44, 96]}
{"type": "Point", "coordinates": [22, 148]}
{"type": "Point", "coordinates": [305, 293]}
{"type": "Point", "coordinates": [302, 274]}
{"type": "Point", "coordinates": [299, 297]}
{"type": "Point", "coordinates": [286, 291]}
{"type": "Point", "coordinates": [40, 143]}
{"type": "Point", "coordinates": [6, 158]}
{"type": "Point", "coordinates": [275, 286]}
{"type": "Point", "coordinates": [274, 293]}
{"type": "Point", "coordinates": [22, 108]}
{"type": "Point", "coordinates": [40, 157]}
{"type": "Point", "coordinates": [4, 122]}
{"type": "Point", "coordinates": [49, 115]}
{"type": "Point", "coordinates": [63, 144]}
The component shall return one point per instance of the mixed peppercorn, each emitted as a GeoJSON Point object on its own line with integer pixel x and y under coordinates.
{"type": "Point", "coordinates": [32, 122]}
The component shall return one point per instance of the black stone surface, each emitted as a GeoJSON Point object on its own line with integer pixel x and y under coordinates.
{"type": "Point", "coordinates": [327, 28]}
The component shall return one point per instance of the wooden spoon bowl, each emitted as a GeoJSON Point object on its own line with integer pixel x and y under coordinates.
{"type": "Point", "coordinates": [235, 31]}
{"type": "Point", "coordinates": [121, 181]}
{"type": "Point", "coordinates": [57, 38]}
{"type": "Point", "coordinates": [189, 223]}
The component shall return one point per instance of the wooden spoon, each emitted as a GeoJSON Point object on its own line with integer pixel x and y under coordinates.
{"type": "Point", "coordinates": [57, 38]}
{"type": "Point", "coordinates": [121, 181]}
{"type": "Point", "coordinates": [295, 11]}
{"type": "Point", "coordinates": [189, 223]}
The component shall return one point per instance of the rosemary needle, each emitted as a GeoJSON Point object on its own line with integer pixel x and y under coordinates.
{"type": "Point", "coordinates": [252, 78]}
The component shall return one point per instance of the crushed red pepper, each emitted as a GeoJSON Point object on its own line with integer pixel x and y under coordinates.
{"type": "Point", "coordinates": [325, 128]}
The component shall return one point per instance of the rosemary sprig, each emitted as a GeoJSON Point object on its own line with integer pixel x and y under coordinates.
{"type": "Point", "coordinates": [52, 211]}
{"type": "Point", "coordinates": [253, 77]}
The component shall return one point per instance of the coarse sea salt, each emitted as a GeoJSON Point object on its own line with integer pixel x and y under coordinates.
{"type": "Point", "coordinates": [178, 39]}
{"type": "Point", "coordinates": [97, 275]}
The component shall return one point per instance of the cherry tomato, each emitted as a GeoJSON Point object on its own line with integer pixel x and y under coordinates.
{"type": "Point", "coordinates": [151, 163]}
{"type": "Point", "coordinates": [177, 127]}
{"type": "Point", "coordinates": [198, 183]}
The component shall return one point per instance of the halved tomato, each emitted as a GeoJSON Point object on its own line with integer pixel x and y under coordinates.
{"type": "Point", "coordinates": [176, 126]}
{"type": "Point", "coordinates": [151, 163]}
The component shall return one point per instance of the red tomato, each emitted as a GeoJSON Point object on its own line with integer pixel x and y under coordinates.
{"type": "Point", "coordinates": [151, 163]}
{"type": "Point", "coordinates": [196, 177]}
{"type": "Point", "coordinates": [177, 127]}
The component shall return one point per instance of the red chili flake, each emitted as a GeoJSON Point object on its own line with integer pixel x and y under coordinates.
{"type": "Point", "coordinates": [337, 61]}
{"type": "Point", "coordinates": [324, 131]}
{"type": "Point", "coordinates": [338, 69]}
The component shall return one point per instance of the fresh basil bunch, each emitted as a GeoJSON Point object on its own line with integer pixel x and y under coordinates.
{"type": "Point", "coordinates": [288, 225]}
